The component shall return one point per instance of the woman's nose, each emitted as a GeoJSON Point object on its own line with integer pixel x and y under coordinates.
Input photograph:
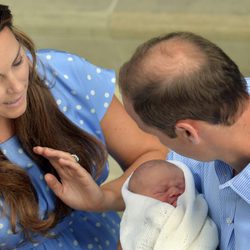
{"type": "Point", "coordinates": [13, 84]}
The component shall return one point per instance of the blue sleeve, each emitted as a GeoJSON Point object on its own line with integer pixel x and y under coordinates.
{"type": "Point", "coordinates": [99, 86]}
{"type": "Point", "coordinates": [93, 86]}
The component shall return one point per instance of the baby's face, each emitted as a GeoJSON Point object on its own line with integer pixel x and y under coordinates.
{"type": "Point", "coordinates": [169, 193]}
{"type": "Point", "coordinates": [166, 186]}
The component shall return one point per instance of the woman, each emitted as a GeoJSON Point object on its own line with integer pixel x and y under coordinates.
{"type": "Point", "coordinates": [58, 100]}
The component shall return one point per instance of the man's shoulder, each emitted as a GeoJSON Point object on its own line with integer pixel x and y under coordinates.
{"type": "Point", "coordinates": [247, 79]}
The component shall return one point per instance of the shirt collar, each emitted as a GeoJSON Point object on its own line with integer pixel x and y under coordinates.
{"type": "Point", "coordinates": [239, 183]}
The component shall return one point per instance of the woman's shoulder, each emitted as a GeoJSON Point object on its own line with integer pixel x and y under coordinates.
{"type": "Point", "coordinates": [57, 57]}
{"type": "Point", "coordinates": [64, 61]}
{"type": "Point", "coordinates": [77, 79]}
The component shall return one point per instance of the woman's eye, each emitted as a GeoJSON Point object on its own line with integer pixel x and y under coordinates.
{"type": "Point", "coordinates": [18, 62]}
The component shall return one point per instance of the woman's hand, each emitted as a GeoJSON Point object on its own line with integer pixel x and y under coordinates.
{"type": "Point", "coordinates": [76, 188]}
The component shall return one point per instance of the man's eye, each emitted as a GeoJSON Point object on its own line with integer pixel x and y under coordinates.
{"type": "Point", "coordinates": [18, 62]}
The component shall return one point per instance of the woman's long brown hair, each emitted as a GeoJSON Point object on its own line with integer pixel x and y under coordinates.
{"type": "Point", "coordinates": [42, 124]}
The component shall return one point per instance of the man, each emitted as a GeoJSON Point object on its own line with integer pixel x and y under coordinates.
{"type": "Point", "coordinates": [188, 92]}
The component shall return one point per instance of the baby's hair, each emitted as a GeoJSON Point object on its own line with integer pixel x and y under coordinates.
{"type": "Point", "coordinates": [144, 169]}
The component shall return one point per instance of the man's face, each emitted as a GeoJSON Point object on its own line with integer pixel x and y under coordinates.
{"type": "Point", "coordinates": [179, 144]}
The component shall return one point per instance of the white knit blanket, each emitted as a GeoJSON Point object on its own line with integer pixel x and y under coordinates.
{"type": "Point", "coordinates": [151, 224]}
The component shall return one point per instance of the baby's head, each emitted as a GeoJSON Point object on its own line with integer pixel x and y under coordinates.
{"type": "Point", "coordinates": [158, 179]}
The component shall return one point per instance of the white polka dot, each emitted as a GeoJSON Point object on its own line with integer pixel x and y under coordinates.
{"type": "Point", "coordinates": [113, 80]}
{"type": "Point", "coordinates": [66, 76]}
{"type": "Point", "coordinates": [4, 151]}
{"type": "Point", "coordinates": [87, 97]}
{"type": "Point", "coordinates": [98, 224]}
{"type": "Point", "coordinates": [9, 231]}
{"type": "Point", "coordinates": [46, 83]}
{"type": "Point", "coordinates": [106, 95]}
{"type": "Point", "coordinates": [98, 70]}
{"type": "Point", "coordinates": [47, 188]}
{"type": "Point", "coordinates": [90, 246]}
{"type": "Point", "coordinates": [35, 244]}
{"type": "Point", "coordinates": [105, 104]}
{"type": "Point", "coordinates": [75, 243]}
{"type": "Point", "coordinates": [3, 244]}
{"type": "Point", "coordinates": [98, 132]}
{"type": "Point", "coordinates": [92, 92]}
{"type": "Point", "coordinates": [65, 109]}
{"type": "Point", "coordinates": [96, 239]}
{"type": "Point", "coordinates": [107, 242]}
{"type": "Point", "coordinates": [103, 215]}
{"type": "Point", "coordinates": [81, 122]}
{"type": "Point", "coordinates": [48, 57]}
{"type": "Point", "coordinates": [20, 151]}
{"type": "Point", "coordinates": [78, 107]}
{"type": "Point", "coordinates": [1, 225]}
{"type": "Point", "coordinates": [41, 177]}
{"type": "Point", "coordinates": [92, 111]}
{"type": "Point", "coordinates": [70, 59]}
{"type": "Point", "coordinates": [55, 73]}
{"type": "Point", "coordinates": [89, 77]}
{"type": "Point", "coordinates": [29, 165]}
{"type": "Point", "coordinates": [60, 244]}
{"type": "Point", "coordinates": [58, 101]}
{"type": "Point", "coordinates": [73, 92]}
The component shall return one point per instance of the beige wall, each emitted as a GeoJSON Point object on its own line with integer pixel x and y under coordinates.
{"type": "Point", "coordinates": [107, 31]}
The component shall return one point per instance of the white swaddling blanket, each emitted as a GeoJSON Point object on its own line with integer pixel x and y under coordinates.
{"type": "Point", "coordinates": [151, 224]}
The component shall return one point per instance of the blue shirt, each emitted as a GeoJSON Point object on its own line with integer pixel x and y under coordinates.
{"type": "Point", "coordinates": [228, 198]}
{"type": "Point", "coordinates": [83, 93]}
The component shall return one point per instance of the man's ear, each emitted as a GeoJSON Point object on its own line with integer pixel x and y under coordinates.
{"type": "Point", "coordinates": [188, 131]}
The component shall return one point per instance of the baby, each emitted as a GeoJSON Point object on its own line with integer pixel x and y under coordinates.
{"type": "Point", "coordinates": [158, 179]}
{"type": "Point", "coordinates": [164, 211]}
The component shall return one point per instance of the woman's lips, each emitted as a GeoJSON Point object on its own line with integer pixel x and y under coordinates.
{"type": "Point", "coordinates": [15, 102]}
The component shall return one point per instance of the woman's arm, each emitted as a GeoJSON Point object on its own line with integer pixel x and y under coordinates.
{"type": "Point", "coordinates": [129, 146]}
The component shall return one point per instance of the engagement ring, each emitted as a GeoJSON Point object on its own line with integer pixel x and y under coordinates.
{"type": "Point", "coordinates": [75, 157]}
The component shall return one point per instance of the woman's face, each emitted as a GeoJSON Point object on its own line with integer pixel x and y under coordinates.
{"type": "Point", "coordinates": [14, 77]}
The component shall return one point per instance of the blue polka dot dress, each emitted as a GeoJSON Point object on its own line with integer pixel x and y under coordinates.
{"type": "Point", "coordinates": [83, 93]}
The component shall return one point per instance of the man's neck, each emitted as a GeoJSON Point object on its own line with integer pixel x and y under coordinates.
{"type": "Point", "coordinates": [238, 155]}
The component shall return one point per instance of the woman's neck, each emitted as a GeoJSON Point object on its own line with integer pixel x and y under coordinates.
{"type": "Point", "coordinates": [7, 129]}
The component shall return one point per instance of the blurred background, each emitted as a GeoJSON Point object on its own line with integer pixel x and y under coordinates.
{"type": "Point", "coordinates": [106, 32]}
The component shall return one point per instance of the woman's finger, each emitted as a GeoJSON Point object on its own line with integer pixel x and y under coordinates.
{"type": "Point", "coordinates": [54, 184]}
{"type": "Point", "coordinates": [72, 168]}
{"type": "Point", "coordinates": [52, 154]}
